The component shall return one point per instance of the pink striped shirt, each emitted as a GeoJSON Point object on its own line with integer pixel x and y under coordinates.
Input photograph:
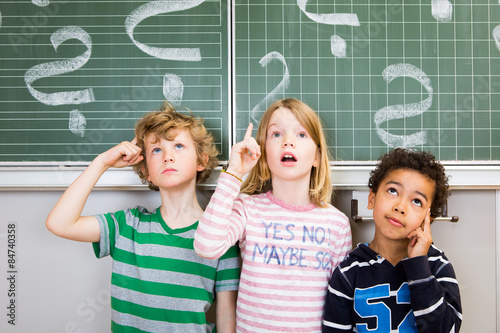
{"type": "Point", "coordinates": [288, 254]}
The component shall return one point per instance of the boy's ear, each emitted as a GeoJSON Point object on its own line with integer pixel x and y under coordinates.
{"type": "Point", "coordinates": [202, 166]}
{"type": "Point", "coordinates": [145, 172]}
{"type": "Point", "coordinates": [371, 200]}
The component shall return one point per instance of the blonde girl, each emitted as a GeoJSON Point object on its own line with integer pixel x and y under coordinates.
{"type": "Point", "coordinates": [291, 237]}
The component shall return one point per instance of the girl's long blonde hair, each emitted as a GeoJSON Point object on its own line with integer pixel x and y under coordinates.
{"type": "Point", "coordinates": [259, 178]}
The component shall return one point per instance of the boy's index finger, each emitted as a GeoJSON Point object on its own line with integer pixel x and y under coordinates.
{"type": "Point", "coordinates": [248, 133]}
{"type": "Point", "coordinates": [134, 141]}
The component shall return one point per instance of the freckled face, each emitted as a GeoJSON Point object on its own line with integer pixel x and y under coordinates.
{"type": "Point", "coordinates": [401, 202]}
{"type": "Point", "coordinates": [290, 151]}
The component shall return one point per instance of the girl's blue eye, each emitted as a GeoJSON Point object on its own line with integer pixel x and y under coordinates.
{"type": "Point", "coordinates": [276, 135]}
{"type": "Point", "coordinates": [156, 150]}
{"type": "Point", "coordinates": [179, 146]}
{"type": "Point", "coordinates": [302, 135]}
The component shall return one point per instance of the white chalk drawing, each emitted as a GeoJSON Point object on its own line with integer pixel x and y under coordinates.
{"type": "Point", "coordinates": [161, 7]}
{"type": "Point", "coordinates": [77, 123]}
{"type": "Point", "coordinates": [496, 36]}
{"type": "Point", "coordinates": [404, 110]}
{"type": "Point", "coordinates": [55, 68]}
{"type": "Point", "coordinates": [279, 89]}
{"type": "Point", "coordinates": [442, 10]}
{"type": "Point", "coordinates": [40, 3]}
{"type": "Point", "coordinates": [173, 88]}
{"type": "Point", "coordinates": [332, 18]}
{"type": "Point", "coordinates": [338, 44]}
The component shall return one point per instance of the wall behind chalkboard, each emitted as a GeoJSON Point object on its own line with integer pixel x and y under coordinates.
{"type": "Point", "coordinates": [75, 75]}
{"type": "Point", "coordinates": [421, 74]}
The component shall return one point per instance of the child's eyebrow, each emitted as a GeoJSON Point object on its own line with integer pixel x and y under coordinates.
{"type": "Point", "coordinates": [399, 184]}
{"type": "Point", "coordinates": [394, 182]}
{"type": "Point", "coordinates": [423, 195]}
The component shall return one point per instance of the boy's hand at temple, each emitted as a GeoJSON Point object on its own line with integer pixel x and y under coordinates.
{"type": "Point", "coordinates": [122, 155]}
{"type": "Point", "coordinates": [244, 155]}
{"type": "Point", "coordinates": [421, 238]}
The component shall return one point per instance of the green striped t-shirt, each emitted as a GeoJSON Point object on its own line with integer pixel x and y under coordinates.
{"type": "Point", "coordinates": [158, 283]}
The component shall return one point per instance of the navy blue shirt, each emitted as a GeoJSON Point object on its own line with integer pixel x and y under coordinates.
{"type": "Point", "coordinates": [367, 293]}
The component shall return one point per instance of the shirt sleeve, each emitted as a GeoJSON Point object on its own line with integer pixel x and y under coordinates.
{"type": "Point", "coordinates": [342, 245]}
{"type": "Point", "coordinates": [338, 304]}
{"type": "Point", "coordinates": [223, 222]}
{"type": "Point", "coordinates": [434, 293]}
{"type": "Point", "coordinates": [109, 225]}
{"type": "Point", "coordinates": [228, 271]}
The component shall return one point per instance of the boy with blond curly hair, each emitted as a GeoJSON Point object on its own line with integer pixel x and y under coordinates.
{"type": "Point", "coordinates": [158, 283]}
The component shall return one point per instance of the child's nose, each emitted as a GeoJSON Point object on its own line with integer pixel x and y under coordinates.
{"type": "Point", "coordinates": [399, 207]}
{"type": "Point", "coordinates": [168, 157]}
{"type": "Point", "coordinates": [288, 141]}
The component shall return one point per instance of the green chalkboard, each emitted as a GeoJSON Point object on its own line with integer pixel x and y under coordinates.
{"type": "Point", "coordinates": [76, 75]}
{"type": "Point", "coordinates": [421, 74]}
{"type": "Point", "coordinates": [379, 73]}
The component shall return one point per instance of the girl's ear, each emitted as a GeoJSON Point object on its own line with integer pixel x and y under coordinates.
{"type": "Point", "coordinates": [202, 166]}
{"type": "Point", "coordinates": [371, 200]}
{"type": "Point", "coordinates": [317, 159]}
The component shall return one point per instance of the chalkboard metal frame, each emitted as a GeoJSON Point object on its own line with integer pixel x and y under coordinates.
{"type": "Point", "coordinates": [345, 176]}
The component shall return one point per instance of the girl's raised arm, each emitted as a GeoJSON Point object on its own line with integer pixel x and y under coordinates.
{"type": "Point", "coordinates": [224, 219]}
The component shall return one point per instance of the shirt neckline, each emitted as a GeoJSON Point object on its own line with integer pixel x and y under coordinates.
{"type": "Point", "coordinates": [174, 231]}
{"type": "Point", "coordinates": [286, 205]}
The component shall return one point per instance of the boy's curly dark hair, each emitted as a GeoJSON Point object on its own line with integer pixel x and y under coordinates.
{"type": "Point", "coordinates": [421, 161]}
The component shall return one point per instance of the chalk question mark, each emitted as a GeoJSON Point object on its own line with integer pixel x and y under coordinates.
{"type": "Point", "coordinates": [172, 84]}
{"type": "Point", "coordinates": [338, 44]}
{"type": "Point", "coordinates": [280, 88]}
{"type": "Point", "coordinates": [404, 110]}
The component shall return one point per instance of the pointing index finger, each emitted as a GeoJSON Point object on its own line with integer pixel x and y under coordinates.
{"type": "Point", "coordinates": [248, 133]}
